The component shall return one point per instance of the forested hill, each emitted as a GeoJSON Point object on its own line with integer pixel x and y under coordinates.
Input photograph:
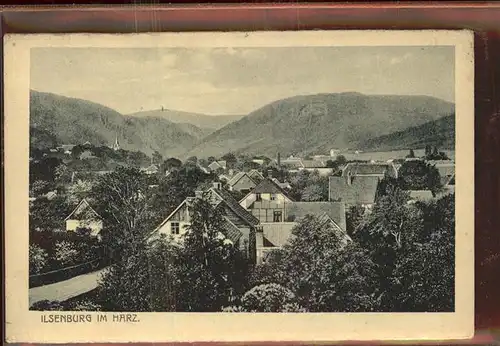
{"type": "Point", "coordinates": [316, 123]}
{"type": "Point", "coordinates": [55, 118]}
{"type": "Point", "coordinates": [439, 133]}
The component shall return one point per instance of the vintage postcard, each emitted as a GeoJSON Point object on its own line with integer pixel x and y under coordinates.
{"type": "Point", "coordinates": [262, 186]}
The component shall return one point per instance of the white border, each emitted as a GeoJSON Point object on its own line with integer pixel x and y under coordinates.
{"type": "Point", "coordinates": [23, 325]}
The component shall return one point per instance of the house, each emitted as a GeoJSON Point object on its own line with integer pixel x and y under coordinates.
{"type": "Point", "coordinates": [66, 148]}
{"type": "Point", "coordinates": [354, 190]}
{"type": "Point", "coordinates": [370, 169]}
{"type": "Point", "coordinates": [203, 168]}
{"type": "Point", "coordinates": [267, 196]}
{"type": "Point", "coordinates": [241, 182]}
{"type": "Point", "coordinates": [152, 169]}
{"type": "Point", "coordinates": [278, 218]}
{"type": "Point", "coordinates": [224, 178]}
{"type": "Point", "coordinates": [256, 175]}
{"type": "Point", "coordinates": [285, 185]}
{"type": "Point", "coordinates": [87, 155]}
{"type": "Point", "coordinates": [446, 169]}
{"type": "Point", "coordinates": [84, 216]}
{"type": "Point", "coordinates": [258, 161]}
{"type": "Point", "coordinates": [215, 165]}
{"type": "Point", "coordinates": [238, 224]}
{"type": "Point", "coordinates": [315, 165]}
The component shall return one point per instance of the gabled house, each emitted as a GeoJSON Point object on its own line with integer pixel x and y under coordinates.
{"type": "Point", "coordinates": [87, 155]}
{"type": "Point", "coordinates": [256, 176]}
{"type": "Point", "coordinates": [152, 169]}
{"type": "Point", "coordinates": [370, 170]}
{"type": "Point", "coordinates": [446, 170]}
{"type": "Point", "coordinates": [284, 185]}
{"type": "Point", "coordinates": [266, 196]}
{"type": "Point", "coordinates": [238, 222]}
{"type": "Point", "coordinates": [84, 216]}
{"type": "Point", "coordinates": [315, 165]}
{"type": "Point", "coordinates": [276, 233]}
{"type": "Point", "coordinates": [354, 190]}
{"type": "Point", "coordinates": [215, 165]}
{"type": "Point", "coordinates": [241, 182]}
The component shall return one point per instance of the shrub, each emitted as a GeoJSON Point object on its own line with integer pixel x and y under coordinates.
{"type": "Point", "coordinates": [267, 298]}
{"type": "Point", "coordinates": [66, 253]}
{"type": "Point", "coordinates": [84, 305]}
{"type": "Point", "coordinates": [47, 305]}
{"type": "Point", "coordinates": [37, 259]}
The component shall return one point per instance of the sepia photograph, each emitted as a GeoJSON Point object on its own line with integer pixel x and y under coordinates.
{"type": "Point", "coordinates": [243, 179]}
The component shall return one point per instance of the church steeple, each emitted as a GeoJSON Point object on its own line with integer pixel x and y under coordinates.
{"type": "Point", "coordinates": [116, 146]}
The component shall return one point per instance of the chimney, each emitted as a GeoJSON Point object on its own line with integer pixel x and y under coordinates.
{"type": "Point", "coordinates": [270, 173]}
{"type": "Point", "coordinates": [279, 160]}
{"type": "Point", "coordinates": [217, 185]}
{"type": "Point", "coordinates": [198, 194]}
{"type": "Point", "coordinates": [349, 178]}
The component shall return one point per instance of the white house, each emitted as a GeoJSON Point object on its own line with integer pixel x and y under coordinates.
{"type": "Point", "coordinates": [84, 216]}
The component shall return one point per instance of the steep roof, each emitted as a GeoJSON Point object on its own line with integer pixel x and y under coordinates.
{"type": "Point", "coordinates": [83, 209]}
{"type": "Point", "coordinates": [362, 189]}
{"type": "Point", "coordinates": [334, 210]}
{"type": "Point", "coordinates": [369, 169]}
{"type": "Point", "coordinates": [268, 186]}
{"type": "Point", "coordinates": [233, 204]}
{"type": "Point", "coordinates": [237, 178]}
{"type": "Point", "coordinates": [278, 233]}
{"type": "Point", "coordinates": [255, 174]}
{"type": "Point", "coordinates": [445, 169]}
{"type": "Point", "coordinates": [231, 231]}
{"type": "Point", "coordinates": [214, 165]}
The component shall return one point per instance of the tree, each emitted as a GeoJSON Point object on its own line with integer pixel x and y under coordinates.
{"type": "Point", "coordinates": [327, 272]}
{"type": "Point", "coordinates": [411, 154]}
{"type": "Point", "coordinates": [384, 234]}
{"type": "Point", "coordinates": [172, 162]}
{"type": "Point", "coordinates": [332, 164]}
{"type": "Point", "coordinates": [418, 175]}
{"type": "Point", "coordinates": [157, 157]}
{"type": "Point", "coordinates": [211, 159]}
{"type": "Point", "coordinates": [313, 193]}
{"type": "Point", "coordinates": [426, 272]}
{"type": "Point", "coordinates": [144, 280]}
{"type": "Point", "coordinates": [210, 265]}
{"type": "Point", "coordinates": [354, 217]}
{"type": "Point", "coordinates": [174, 189]}
{"type": "Point", "coordinates": [230, 159]}
{"type": "Point", "coordinates": [37, 259]}
{"type": "Point", "coordinates": [39, 187]}
{"type": "Point", "coordinates": [66, 253]}
{"type": "Point", "coordinates": [44, 169]}
{"type": "Point", "coordinates": [341, 160]}
{"type": "Point", "coordinates": [192, 159]}
{"type": "Point", "coordinates": [268, 298]}
{"type": "Point", "coordinates": [124, 200]}
{"type": "Point", "coordinates": [48, 215]}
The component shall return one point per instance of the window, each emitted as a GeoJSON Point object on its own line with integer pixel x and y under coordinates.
{"type": "Point", "coordinates": [277, 216]}
{"type": "Point", "coordinates": [258, 197]}
{"type": "Point", "coordinates": [273, 197]}
{"type": "Point", "coordinates": [174, 228]}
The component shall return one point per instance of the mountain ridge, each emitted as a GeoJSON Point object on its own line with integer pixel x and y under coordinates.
{"type": "Point", "coordinates": [314, 123]}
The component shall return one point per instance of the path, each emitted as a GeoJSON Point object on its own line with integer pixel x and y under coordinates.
{"type": "Point", "coordinates": [64, 290]}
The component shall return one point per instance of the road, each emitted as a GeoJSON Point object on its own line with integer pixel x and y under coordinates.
{"type": "Point", "coordinates": [64, 290]}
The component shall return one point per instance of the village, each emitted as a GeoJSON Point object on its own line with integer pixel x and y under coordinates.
{"type": "Point", "coordinates": [263, 201]}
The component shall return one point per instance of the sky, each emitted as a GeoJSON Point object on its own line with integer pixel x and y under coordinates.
{"type": "Point", "coordinates": [220, 81]}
